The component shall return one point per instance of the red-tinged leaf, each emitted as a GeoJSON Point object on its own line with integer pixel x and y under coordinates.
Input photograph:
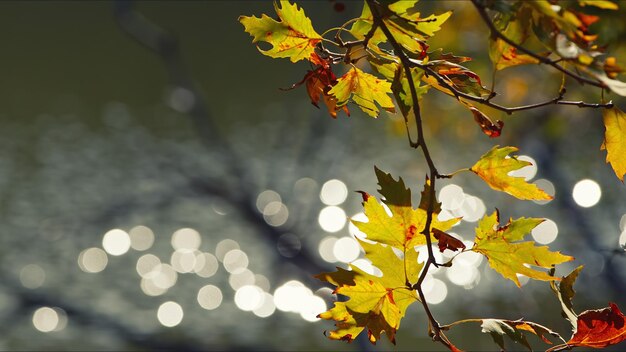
{"type": "Point", "coordinates": [318, 83]}
{"type": "Point", "coordinates": [292, 37]}
{"type": "Point", "coordinates": [446, 241]}
{"type": "Point", "coordinates": [488, 127]}
{"type": "Point", "coordinates": [600, 328]}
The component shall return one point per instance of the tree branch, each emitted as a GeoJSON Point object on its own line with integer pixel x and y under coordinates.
{"type": "Point", "coordinates": [421, 142]}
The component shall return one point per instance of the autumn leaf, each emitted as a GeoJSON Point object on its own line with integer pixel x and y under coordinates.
{"type": "Point", "coordinates": [395, 192]}
{"type": "Point", "coordinates": [599, 328]}
{"type": "Point", "coordinates": [602, 4]}
{"type": "Point", "coordinates": [564, 291]}
{"type": "Point", "coordinates": [405, 24]}
{"type": "Point", "coordinates": [365, 90]}
{"type": "Point", "coordinates": [514, 329]}
{"type": "Point", "coordinates": [516, 29]}
{"type": "Point", "coordinates": [457, 76]}
{"type": "Point", "coordinates": [292, 37]}
{"type": "Point", "coordinates": [615, 140]}
{"type": "Point", "coordinates": [402, 229]}
{"type": "Point", "coordinates": [494, 167]}
{"type": "Point", "coordinates": [375, 303]}
{"type": "Point", "coordinates": [508, 256]}
{"type": "Point", "coordinates": [446, 241]}
{"type": "Point", "coordinates": [490, 128]}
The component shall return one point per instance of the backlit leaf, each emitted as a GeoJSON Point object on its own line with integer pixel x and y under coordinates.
{"type": "Point", "coordinates": [494, 167]}
{"type": "Point", "coordinates": [375, 303]}
{"type": "Point", "coordinates": [292, 37]}
{"type": "Point", "coordinates": [365, 90]}
{"type": "Point", "coordinates": [615, 140]}
{"type": "Point", "coordinates": [402, 229]}
{"type": "Point", "coordinates": [406, 25]}
{"type": "Point", "coordinates": [508, 256]}
{"type": "Point", "coordinates": [516, 29]}
{"type": "Point", "coordinates": [599, 328]}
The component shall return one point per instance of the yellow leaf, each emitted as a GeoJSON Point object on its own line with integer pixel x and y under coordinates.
{"type": "Point", "coordinates": [293, 37]}
{"type": "Point", "coordinates": [493, 168]}
{"type": "Point", "coordinates": [509, 257]}
{"type": "Point", "coordinates": [602, 4]}
{"type": "Point", "coordinates": [501, 53]}
{"type": "Point", "coordinates": [375, 303]}
{"type": "Point", "coordinates": [402, 229]}
{"type": "Point", "coordinates": [365, 90]}
{"type": "Point", "coordinates": [615, 140]}
{"type": "Point", "coordinates": [405, 24]}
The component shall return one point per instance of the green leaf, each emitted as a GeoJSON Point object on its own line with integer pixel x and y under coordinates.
{"type": "Point", "coordinates": [365, 90]}
{"type": "Point", "coordinates": [292, 37]}
{"type": "Point", "coordinates": [494, 167]}
{"type": "Point", "coordinates": [509, 257]}
{"type": "Point", "coordinates": [615, 140]}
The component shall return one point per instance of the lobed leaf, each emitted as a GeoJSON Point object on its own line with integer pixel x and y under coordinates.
{"type": "Point", "coordinates": [374, 303]}
{"type": "Point", "coordinates": [494, 167]}
{"type": "Point", "coordinates": [365, 90]}
{"type": "Point", "coordinates": [292, 37]}
{"type": "Point", "coordinates": [509, 257]}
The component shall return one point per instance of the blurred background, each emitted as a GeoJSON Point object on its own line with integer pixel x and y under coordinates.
{"type": "Point", "coordinates": [158, 191]}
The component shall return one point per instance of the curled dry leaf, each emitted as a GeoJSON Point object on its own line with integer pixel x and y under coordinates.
{"type": "Point", "coordinates": [599, 328]}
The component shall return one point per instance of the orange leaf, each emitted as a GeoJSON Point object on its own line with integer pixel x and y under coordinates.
{"type": "Point", "coordinates": [600, 328]}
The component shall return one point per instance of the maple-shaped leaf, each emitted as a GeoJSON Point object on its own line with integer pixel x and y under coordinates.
{"type": "Point", "coordinates": [507, 255]}
{"type": "Point", "coordinates": [292, 37]}
{"type": "Point", "coordinates": [402, 229]}
{"type": "Point", "coordinates": [494, 167]}
{"type": "Point", "coordinates": [365, 90]}
{"type": "Point", "coordinates": [374, 303]}
{"type": "Point", "coordinates": [514, 329]}
{"type": "Point", "coordinates": [501, 53]}
{"type": "Point", "coordinates": [599, 328]}
{"type": "Point", "coordinates": [615, 140]}
{"type": "Point", "coordinates": [405, 24]}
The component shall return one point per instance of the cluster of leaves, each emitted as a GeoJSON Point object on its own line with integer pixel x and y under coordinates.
{"type": "Point", "coordinates": [392, 37]}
